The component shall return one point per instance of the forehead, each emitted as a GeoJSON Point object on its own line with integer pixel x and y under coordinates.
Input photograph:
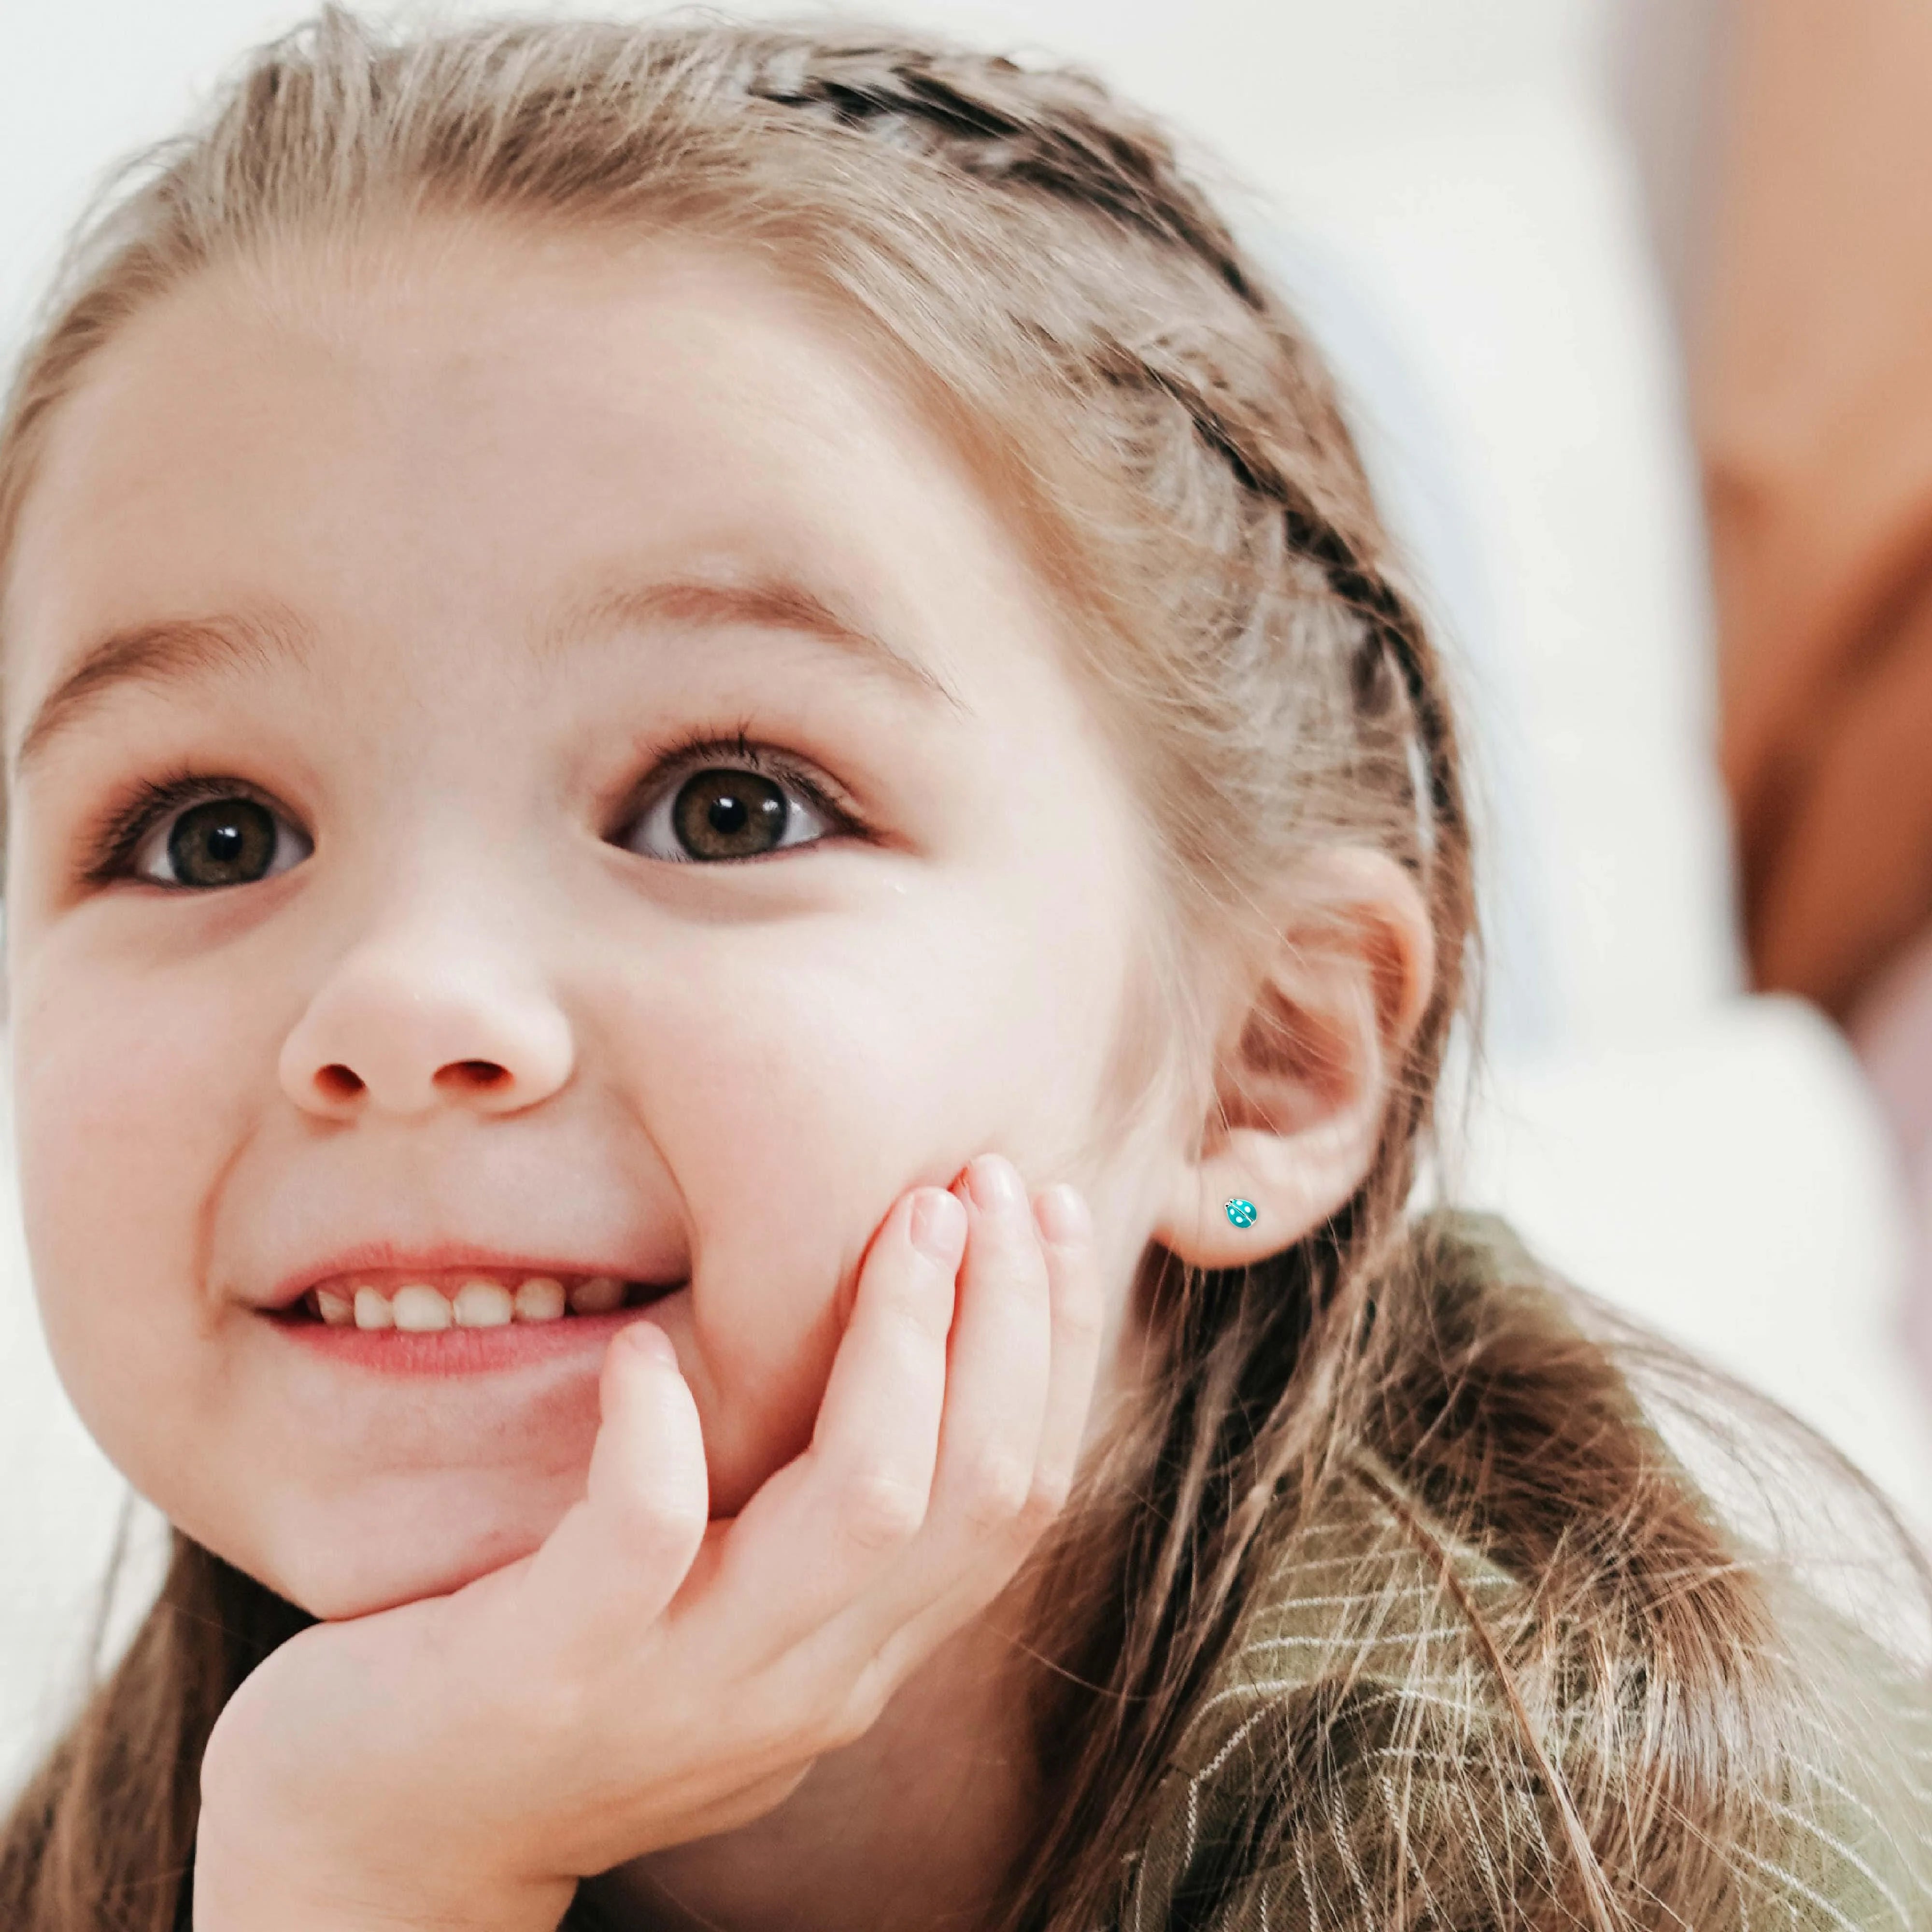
{"type": "Point", "coordinates": [463, 423]}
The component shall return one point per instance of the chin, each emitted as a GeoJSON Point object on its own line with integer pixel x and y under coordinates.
{"type": "Point", "coordinates": [415, 1538]}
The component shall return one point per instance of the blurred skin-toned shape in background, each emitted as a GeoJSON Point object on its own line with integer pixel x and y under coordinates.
{"type": "Point", "coordinates": [1813, 384]}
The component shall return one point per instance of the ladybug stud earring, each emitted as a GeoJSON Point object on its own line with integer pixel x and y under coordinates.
{"type": "Point", "coordinates": [1242, 1213]}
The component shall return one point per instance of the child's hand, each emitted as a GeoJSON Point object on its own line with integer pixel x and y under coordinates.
{"type": "Point", "coordinates": [640, 1681]}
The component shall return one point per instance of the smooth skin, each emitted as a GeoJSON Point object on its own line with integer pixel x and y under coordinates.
{"type": "Point", "coordinates": [923, 1488]}
{"type": "Point", "coordinates": [445, 553]}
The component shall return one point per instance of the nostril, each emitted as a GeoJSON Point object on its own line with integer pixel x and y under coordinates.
{"type": "Point", "coordinates": [339, 1082]}
{"type": "Point", "coordinates": [480, 1076]}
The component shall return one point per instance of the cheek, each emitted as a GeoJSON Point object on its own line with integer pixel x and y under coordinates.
{"type": "Point", "coordinates": [796, 1087]}
{"type": "Point", "coordinates": [125, 1096]}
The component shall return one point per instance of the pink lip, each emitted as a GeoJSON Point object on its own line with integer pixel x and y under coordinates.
{"type": "Point", "coordinates": [390, 1257]}
{"type": "Point", "coordinates": [460, 1352]}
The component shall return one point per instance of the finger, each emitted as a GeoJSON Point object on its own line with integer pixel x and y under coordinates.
{"type": "Point", "coordinates": [996, 1383]}
{"type": "Point", "coordinates": [1079, 1324]}
{"type": "Point", "coordinates": [818, 1532]}
{"type": "Point", "coordinates": [973, 1570]}
{"type": "Point", "coordinates": [742, 1805]}
{"type": "Point", "coordinates": [627, 1546]}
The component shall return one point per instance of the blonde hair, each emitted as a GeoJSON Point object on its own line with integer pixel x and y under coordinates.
{"type": "Point", "coordinates": [1025, 252]}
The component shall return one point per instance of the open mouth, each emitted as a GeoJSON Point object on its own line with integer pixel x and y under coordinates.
{"type": "Point", "coordinates": [425, 1304]}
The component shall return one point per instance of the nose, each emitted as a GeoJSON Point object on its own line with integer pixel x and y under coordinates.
{"type": "Point", "coordinates": [412, 1025]}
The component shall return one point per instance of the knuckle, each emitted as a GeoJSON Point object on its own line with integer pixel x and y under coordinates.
{"type": "Point", "coordinates": [651, 1515]}
{"type": "Point", "coordinates": [923, 1304]}
{"type": "Point", "coordinates": [553, 1713]}
{"type": "Point", "coordinates": [996, 1492]}
{"type": "Point", "coordinates": [928, 1307]}
{"type": "Point", "coordinates": [798, 1725]}
{"type": "Point", "coordinates": [879, 1510]}
{"type": "Point", "coordinates": [657, 1530]}
{"type": "Point", "coordinates": [1044, 1501]}
{"type": "Point", "coordinates": [822, 1712]}
{"type": "Point", "coordinates": [1081, 1320]}
{"type": "Point", "coordinates": [864, 1706]}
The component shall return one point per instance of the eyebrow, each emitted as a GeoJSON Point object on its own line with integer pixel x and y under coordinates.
{"type": "Point", "coordinates": [162, 652]}
{"type": "Point", "coordinates": [766, 603]}
{"type": "Point", "coordinates": [172, 649]}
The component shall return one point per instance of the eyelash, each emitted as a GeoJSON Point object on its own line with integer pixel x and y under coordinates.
{"type": "Point", "coordinates": [703, 749]}
{"type": "Point", "coordinates": [111, 850]}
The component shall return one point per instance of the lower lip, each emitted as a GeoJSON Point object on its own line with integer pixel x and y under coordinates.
{"type": "Point", "coordinates": [458, 1351]}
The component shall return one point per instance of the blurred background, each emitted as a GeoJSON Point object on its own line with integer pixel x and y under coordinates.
{"type": "Point", "coordinates": [1625, 303]}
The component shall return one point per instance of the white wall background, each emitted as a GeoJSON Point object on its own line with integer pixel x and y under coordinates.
{"type": "Point", "coordinates": [1450, 166]}
{"type": "Point", "coordinates": [1446, 184]}
{"type": "Point", "coordinates": [82, 80]}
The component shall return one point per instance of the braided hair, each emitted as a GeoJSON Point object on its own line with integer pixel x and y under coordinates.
{"type": "Point", "coordinates": [1028, 255]}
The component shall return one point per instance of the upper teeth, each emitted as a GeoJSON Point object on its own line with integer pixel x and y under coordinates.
{"type": "Point", "coordinates": [418, 1307]}
{"type": "Point", "coordinates": [598, 1296]}
{"type": "Point", "coordinates": [539, 1299]}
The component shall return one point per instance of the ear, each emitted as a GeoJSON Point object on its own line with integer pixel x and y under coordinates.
{"type": "Point", "coordinates": [1316, 1029]}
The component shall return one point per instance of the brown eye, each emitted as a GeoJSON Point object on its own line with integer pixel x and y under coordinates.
{"type": "Point", "coordinates": [725, 812]}
{"type": "Point", "coordinates": [219, 841]}
{"type": "Point", "coordinates": [729, 815]}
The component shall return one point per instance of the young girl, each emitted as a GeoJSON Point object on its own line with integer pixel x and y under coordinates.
{"type": "Point", "coordinates": [730, 863]}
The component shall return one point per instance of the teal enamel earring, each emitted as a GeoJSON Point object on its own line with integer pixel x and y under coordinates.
{"type": "Point", "coordinates": [1242, 1213]}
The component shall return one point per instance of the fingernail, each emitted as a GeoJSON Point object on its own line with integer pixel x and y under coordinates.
{"type": "Point", "coordinates": [648, 1339]}
{"type": "Point", "coordinates": [995, 1183]}
{"type": "Point", "coordinates": [938, 1225]}
{"type": "Point", "coordinates": [1063, 1217]}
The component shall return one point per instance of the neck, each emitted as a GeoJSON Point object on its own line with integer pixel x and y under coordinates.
{"type": "Point", "coordinates": [914, 1826]}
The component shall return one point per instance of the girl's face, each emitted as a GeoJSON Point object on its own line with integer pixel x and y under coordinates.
{"type": "Point", "coordinates": [372, 918]}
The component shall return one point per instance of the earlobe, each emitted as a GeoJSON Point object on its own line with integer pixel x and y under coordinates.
{"type": "Point", "coordinates": [1314, 1040]}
